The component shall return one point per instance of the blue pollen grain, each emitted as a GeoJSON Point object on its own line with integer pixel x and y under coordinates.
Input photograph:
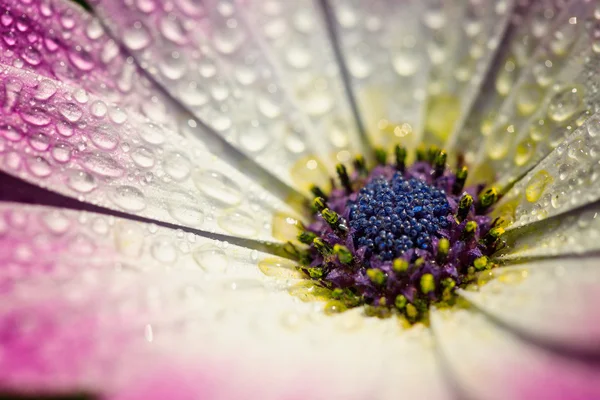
{"type": "Point", "coordinates": [391, 217]}
{"type": "Point", "coordinates": [395, 238]}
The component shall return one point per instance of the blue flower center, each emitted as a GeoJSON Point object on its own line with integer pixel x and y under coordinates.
{"type": "Point", "coordinates": [391, 217]}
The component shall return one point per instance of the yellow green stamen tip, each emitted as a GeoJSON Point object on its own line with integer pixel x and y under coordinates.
{"type": "Point", "coordinates": [481, 263]}
{"type": "Point", "coordinates": [343, 254]}
{"type": "Point", "coordinates": [464, 206]}
{"type": "Point", "coordinates": [315, 273]}
{"type": "Point", "coordinates": [321, 246]}
{"type": "Point", "coordinates": [488, 198]}
{"type": "Point", "coordinates": [319, 203]}
{"type": "Point", "coordinates": [380, 156]}
{"type": "Point", "coordinates": [376, 276]}
{"type": "Point", "coordinates": [443, 249]}
{"type": "Point", "coordinates": [400, 302]}
{"type": "Point", "coordinates": [400, 265]}
{"type": "Point", "coordinates": [427, 283]}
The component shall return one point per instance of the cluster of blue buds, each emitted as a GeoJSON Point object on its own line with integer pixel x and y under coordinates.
{"type": "Point", "coordinates": [395, 238]}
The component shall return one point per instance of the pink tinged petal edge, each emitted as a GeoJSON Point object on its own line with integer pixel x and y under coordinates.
{"type": "Point", "coordinates": [115, 306]}
{"type": "Point", "coordinates": [489, 363]}
{"type": "Point", "coordinates": [553, 301]}
{"type": "Point", "coordinates": [205, 56]}
{"type": "Point", "coordinates": [50, 138]}
{"type": "Point", "coordinates": [59, 40]}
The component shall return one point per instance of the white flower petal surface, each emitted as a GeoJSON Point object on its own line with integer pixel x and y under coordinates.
{"type": "Point", "coordinates": [575, 233]}
{"type": "Point", "coordinates": [555, 92]}
{"type": "Point", "coordinates": [551, 301]}
{"type": "Point", "coordinates": [53, 138]}
{"type": "Point", "coordinates": [207, 57]}
{"type": "Point", "coordinates": [59, 40]}
{"type": "Point", "coordinates": [563, 181]}
{"type": "Point", "coordinates": [488, 363]}
{"type": "Point", "coordinates": [529, 24]}
{"type": "Point", "coordinates": [415, 79]}
{"type": "Point", "coordinates": [104, 304]}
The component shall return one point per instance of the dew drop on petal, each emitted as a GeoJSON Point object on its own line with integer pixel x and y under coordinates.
{"type": "Point", "coordinates": [163, 250]}
{"type": "Point", "coordinates": [211, 259]}
{"type": "Point", "coordinates": [136, 37]}
{"type": "Point", "coordinates": [537, 185]}
{"type": "Point", "coordinates": [239, 223]}
{"type": "Point", "coordinates": [128, 198]}
{"type": "Point", "coordinates": [81, 181]}
{"type": "Point", "coordinates": [217, 187]}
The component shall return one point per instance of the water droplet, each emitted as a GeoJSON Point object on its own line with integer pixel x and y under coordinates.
{"type": "Point", "coordinates": [309, 171]}
{"type": "Point", "coordinates": [185, 209]}
{"type": "Point", "coordinates": [39, 166]}
{"type": "Point", "coordinates": [285, 227]}
{"type": "Point", "coordinates": [177, 165]}
{"type": "Point", "coordinates": [524, 151]}
{"type": "Point", "coordinates": [537, 185]}
{"type": "Point", "coordinates": [70, 111]}
{"type": "Point", "coordinates": [405, 63]}
{"type": "Point", "coordinates": [298, 57]}
{"type": "Point", "coordinates": [45, 90]}
{"type": "Point", "coordinates": [506, 77]}
{"type": "Point", "coordinates": [137, 36]}
{"type": "Point", "coordinates": [81, 181]}
{"type": "Point", "coordinates": [268, 107]}
{"type": "Point", "coordinates": [529, 99]}
{"type": "Point", "coordinates": [211, 259]}
{"type": "Point", "coordinates": [104, 137]}
{"type": "Point", "coordinates": [593, 127]}
{"type": "Point", "coordinates": [163, 250]}
{"type": "Point", "coordinates": [128, 198]}
{"type": "Point", "coordinates": [172, 28]}
{"type": "Point", "coordinates": [217, 187]}
{"type": "Point", "coordinates": [565, 103]}
{"type": "Point", "coordinates": [31, 56]}
{"type": "Point", "coordinates": [82, 60]}
{"type": "Point", "coordinates": [36, 116]}
{"type": "Point", "coordinates": [102, 164]}
{"type": "Point", "coordinates": [499, 142]}
{"type": "Point", "coordinates": [192, 93]}
{"type": "Point", "coordinates": [173, 65]}
{"type": "Point", "coordinates": [117, 115]}
{"type": "Point", "coordinates": [11, 133]}
{"type": "Point", "coordinates": [227, 41]}
{"type": "Point", "coordinates": [56, 222]}
{"type": "Point", "coordinates": [40, 142]}
{"type": "Point", "coordinates": [279, 268]}
{"type": "Point", "coordinates": [254, 138]}
{"type": "Point", "coordinates": [61, 152]}
{"type": "Point", "coordinates": [143, 157]}
{"type": "Point", "coordinates": [152, 134]}
{"type": "Point", "coordinates": [239, 223]}
{"type": "Point", "coordinates": [129, 238]}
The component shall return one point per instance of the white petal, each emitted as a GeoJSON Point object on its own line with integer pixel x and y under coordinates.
{"type": "Point", "coordinates": [130, 165]}
{"type": "Point", "coordinates": [563, 181]}
{"type": "Point", "coordinates": [488, 363]}
{"type": "Point", "coordinates": [135, 299]}
{"type": "Point", "coordinates": [414, 69]}
{"type": "Point", "coordinates": [575, 233]}
{"type": "Point", "coordinates": [529, 24]}
{"type": "Point", "coordinates": [207, 58]}
{"type": "Point", "coordinates": [551, 97]}
{"type": "Point", "coordinates": [552, 301]}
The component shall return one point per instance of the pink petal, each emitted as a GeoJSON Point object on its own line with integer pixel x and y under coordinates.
{"type": "Point", "coordinates": [206, 55]}
{"type": "Point", "coordinates": [487, 362]}
{"type": "Point", "coordinates": [59, 40]}
{"type": "Point", "coordinates": [128, 164]}
{"type": "Point", "coordinates": [551, 301]}
{"type": "Point", "coordinates": [106, 305]}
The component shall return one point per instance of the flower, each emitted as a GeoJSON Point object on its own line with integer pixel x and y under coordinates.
{"type": "Point", "coordinates": [168, 146]}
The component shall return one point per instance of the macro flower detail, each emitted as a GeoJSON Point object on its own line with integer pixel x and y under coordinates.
{"type": "Point", "coordinates": [399, 238]}
{"type": "Point", "coordinates": [313, 199]}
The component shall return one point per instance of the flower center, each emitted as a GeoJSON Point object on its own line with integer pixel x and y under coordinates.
{"type": "Point", "coordinates": [391, 217]}
{"type": "Point", "coordinates": [397, 239]}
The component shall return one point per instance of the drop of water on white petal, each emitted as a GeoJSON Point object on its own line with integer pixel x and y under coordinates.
{"type": "Point", "coordinates": [239, 223]}
{"type": "Point", "coordinates": [217, 187]}
{"type": "Point", "coordinates": [128, 198]}
{"type": "Point", "coordinates": [211, 259]}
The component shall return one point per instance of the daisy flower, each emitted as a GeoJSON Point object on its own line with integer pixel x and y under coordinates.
{"type": "Point", "coordinates": [300, 199]}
